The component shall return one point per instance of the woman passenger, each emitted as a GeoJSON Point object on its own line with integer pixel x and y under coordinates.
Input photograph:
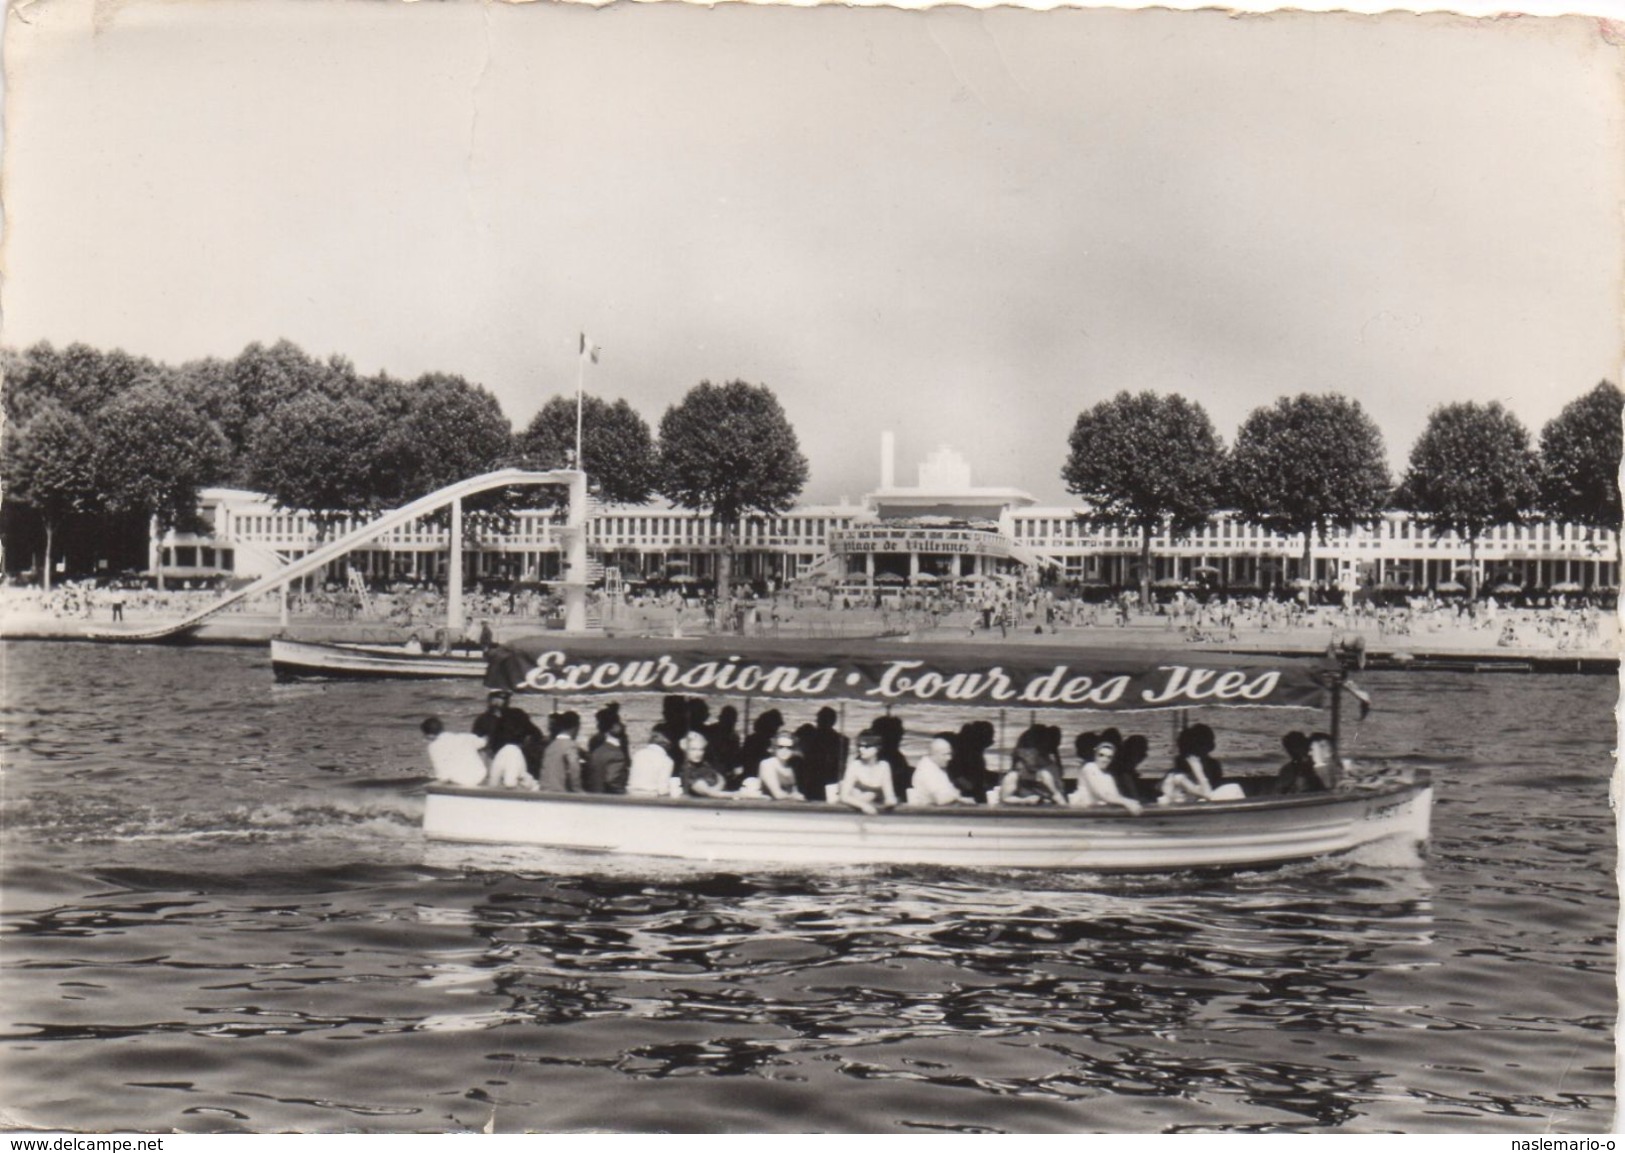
{"type": "Point", "coordinates": [778, 772]}
{"type": "Point", "coordinates": [1196, 774]}
{"type": "Point", "coordinates": [1096, 786]}
{"type": "Point", "coordinates": [1031, 779]}
{"type": "Point", "coordinates": [866, 785]}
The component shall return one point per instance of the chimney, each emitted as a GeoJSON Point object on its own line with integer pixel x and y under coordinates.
{"type": "Point", "coordinates": [888, 461]}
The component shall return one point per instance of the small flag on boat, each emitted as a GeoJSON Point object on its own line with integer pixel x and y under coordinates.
{"type": "Point", "coordinates": [589, 350]}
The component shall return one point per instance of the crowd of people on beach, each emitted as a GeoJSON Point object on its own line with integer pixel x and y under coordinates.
{"type": "Point", "coordinates": [1000, 609]}
{"type": "Point", "coordinates": [690, 754]}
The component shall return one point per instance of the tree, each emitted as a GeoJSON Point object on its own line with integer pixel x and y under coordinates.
{"type": "Point", "coordinates": [1579, 461]}
{"type": "Point", "coordinates": [79, 378]}
{"type": "Point", "coordinates": [1145, 460]}
{"type": "Point", "coordinates": [441, 429]}
{"type": "Point", "coordinates": [617, 448]}
{"type": "Point", "coordinates": [729, 449]}
{"type": "Point", "coordinates": [1471, 469]}
{"type": "Point", "coordinates": [1308, 463]}
{"type": "Point", "coordinates": [267, 378]}
{"type": "Point", "coordinates": [153, 453]}
{"type": "Point", "coordinates": [50, 464]}
{"type": "Point", "coordinates": [319, 454]}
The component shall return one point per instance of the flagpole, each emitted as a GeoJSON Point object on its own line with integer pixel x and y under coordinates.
{"type": "Point", "coordinates": [581, 386]}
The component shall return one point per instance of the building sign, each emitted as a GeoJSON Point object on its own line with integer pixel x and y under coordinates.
{"type": "Point", "coordinates": [1048, 678]}
{"type": "Point", "coordinates": [964, 542]}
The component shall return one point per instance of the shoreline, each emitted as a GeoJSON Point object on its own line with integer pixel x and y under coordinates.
{"type": "Point", "coordinates": [1453, 647]}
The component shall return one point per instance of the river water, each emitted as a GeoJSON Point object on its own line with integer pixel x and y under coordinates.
{"type": "Point", "coordinates": [219, 916]}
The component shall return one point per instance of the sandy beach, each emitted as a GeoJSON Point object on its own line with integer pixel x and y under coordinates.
{"type": "Point", "coordinates": [1534, 633]}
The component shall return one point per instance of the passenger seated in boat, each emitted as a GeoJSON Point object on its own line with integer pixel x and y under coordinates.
{"type": "Point", "coordinates": [804, 738]}
{"type": "Point", "coordinates": [757, 747]}
{"type": "Point", "coordinates": [777, 773]}
{"type": "Point", "coordinates": [1323, 754]}
{"type": "Point", "coordinates": [413, 645]}
{"type": "Point", "coordinates": [1096, 785]}
{"type": "Point", "coordinates": [931, 784]}
{"type": "Point", "coordinates": [652, 767]}
{"type": "Point", "coordinates": [1125, 766]}
{"type": "Point", "coordinates": [1196, 774]}
{"type": "Point", "coordinates": [508, 733]}
{"type": "Point", "coordinates": [968, 769]}
{"type": "Point", "coordinates": [1032, 778]}
{"type": "Point", "coordinates": [701, 778]}
{"type": "Point", "coordinates": [722, 739]}
{"type": "Point", "coordinates": [561, 761]}
{"type": "Point", "coordinates": [892, 732]}
{"type": "Point", "coordinates": [454, 757]}
{"type": "Point", "coordinates": [866, 785]}
{"type": "Point", "coordinates": [607, 759]}
{"type": "Point", "coordinates": [1299, 774]}
{"type": "Point", "coordinates": [825, 754]}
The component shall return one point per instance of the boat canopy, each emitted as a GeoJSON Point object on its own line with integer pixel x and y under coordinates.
{"type": "Point", "coordinates": [898, 672]}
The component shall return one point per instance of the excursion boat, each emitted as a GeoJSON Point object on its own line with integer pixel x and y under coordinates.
{"type": "Point", "coordinates": [299, 659]}
{"type": "Point", "coordinates": [1259, 830]}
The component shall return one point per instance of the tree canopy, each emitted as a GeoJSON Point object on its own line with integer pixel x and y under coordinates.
{"type": "Point", "coordinates": [617, 448]}
{"type": "Point", "coordinates": [1307, 464]}
{"type": "Point", "coordinates": [1471, 470]}
{"type": "Point", "coordinates": [49, 462]}
{"type": "Point", "coordinates": [729, 449]}
{"type": "Point", "coordinates": [153, 453]}
{"type": "Point", "coordinates": [1144, 460]}
{"type": "Point", "coordinates": [438, 429]}
{"type": "Point", "coordinates": [320, 454]}
{"type": "Point", "coordinates": [1579, 460]}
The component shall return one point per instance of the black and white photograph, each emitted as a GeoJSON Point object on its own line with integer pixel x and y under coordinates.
{"type": "Point", "coordinates": [657, 568]}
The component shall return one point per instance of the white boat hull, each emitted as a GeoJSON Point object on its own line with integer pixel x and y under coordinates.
{"type": "Point", "coordinates": [290, 659]}
{"type": "Point", "coordinates": [1235, 834]}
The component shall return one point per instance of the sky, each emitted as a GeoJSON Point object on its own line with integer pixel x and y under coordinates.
{"type": "Point", "coordinates": [965, 227]}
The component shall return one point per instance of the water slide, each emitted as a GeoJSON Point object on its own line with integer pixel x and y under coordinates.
{"type": "Point", "coordinates": [318, 559]}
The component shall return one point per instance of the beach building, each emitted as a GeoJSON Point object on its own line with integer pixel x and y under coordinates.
{"type": "Point", "coordinates": [943, 527]}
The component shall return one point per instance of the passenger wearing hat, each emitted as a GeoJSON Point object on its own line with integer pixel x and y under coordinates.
{"type": "Point", "coordinates": [867, 785]}
{"type": "Point", "coordinates": [510, 739]}
{"type": "Point", "coordinates": [1096, 786]}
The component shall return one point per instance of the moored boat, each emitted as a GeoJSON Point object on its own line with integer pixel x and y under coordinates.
{"type": "Point", "coordinates": [1258, 830]}
{"type": "Point", "coordinates": [299, 659]}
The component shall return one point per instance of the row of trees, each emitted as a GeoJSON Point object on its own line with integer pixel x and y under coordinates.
{"type": "Point", "coordinates": [100, 444]}
{"type": "Point", "coordinates": [1314, 462]}
{"type": "Point", "coordinates": [104, 442]}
